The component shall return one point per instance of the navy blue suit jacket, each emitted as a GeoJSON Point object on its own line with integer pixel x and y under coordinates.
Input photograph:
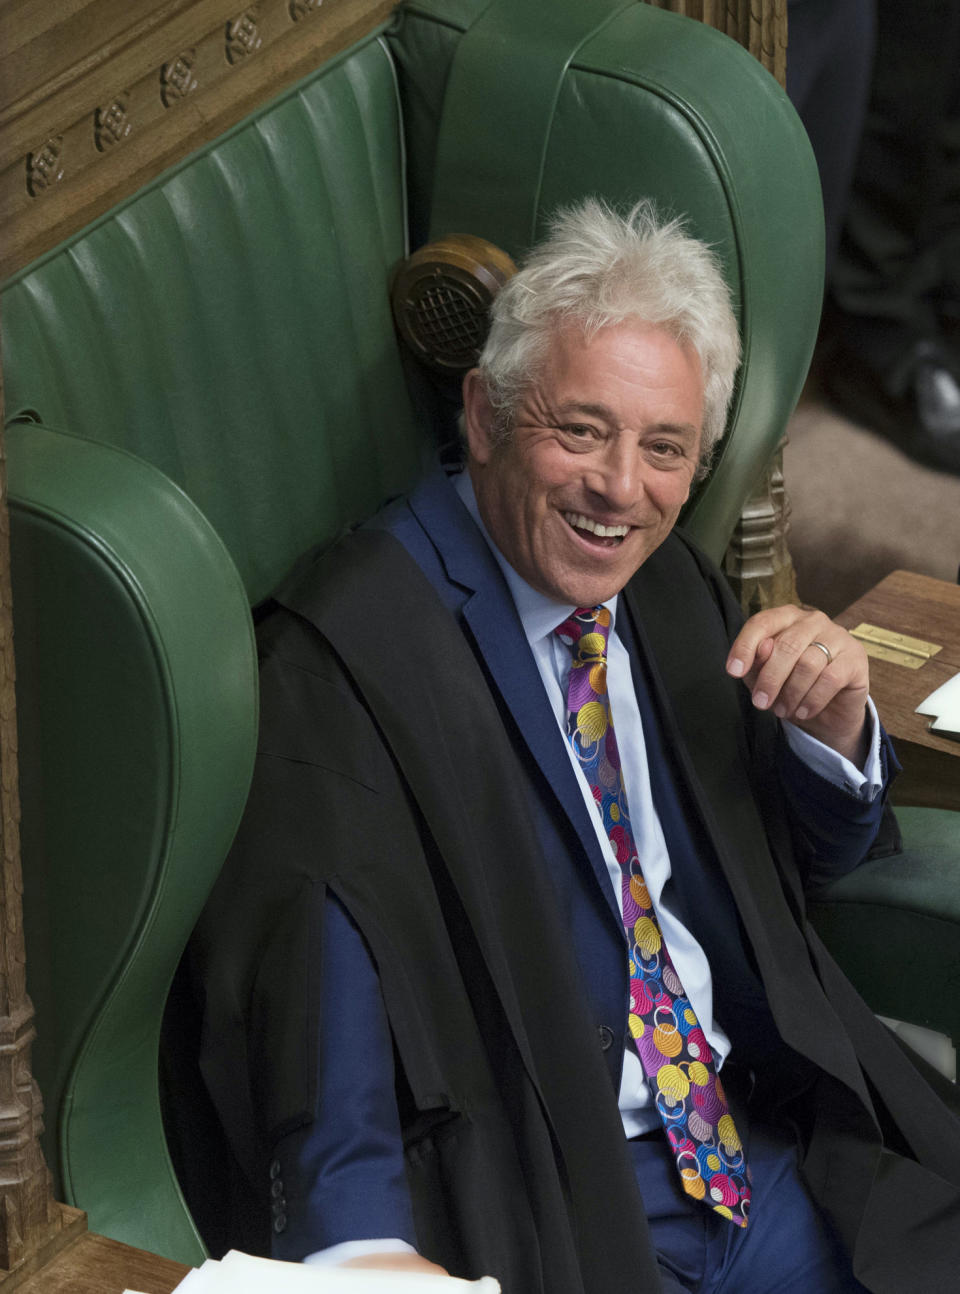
{"type": "Point", "coordinates": [343, 1176]}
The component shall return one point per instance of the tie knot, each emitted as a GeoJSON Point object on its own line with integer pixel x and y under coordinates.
{"type": "Point", "coordinates": [586, 632]}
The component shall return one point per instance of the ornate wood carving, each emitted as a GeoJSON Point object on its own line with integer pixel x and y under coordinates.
{"type": "Point", "coordinates": [189, 69]}
{"type": "Point", "coordinates": [243, 36]}
{"type": "Point", "coordinates": [44, 166]}
{"type": "Point", "coordinates": [301, 8]}
{"type": "Point", "coordinates": [111, 123]}
{"type": "Point", "coordinates": [757, 562]}
{"type": "Point", "coordinates": [177, 79]}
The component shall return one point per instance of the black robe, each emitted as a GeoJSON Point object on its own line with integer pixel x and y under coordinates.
{"type": "Point", "coordinates": [398, 790]}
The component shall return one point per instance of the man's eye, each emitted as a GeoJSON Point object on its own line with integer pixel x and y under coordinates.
{"type": "Point", "coordinates": [666, 449]}
{"type": "Point", "coordinates": [578, 430]}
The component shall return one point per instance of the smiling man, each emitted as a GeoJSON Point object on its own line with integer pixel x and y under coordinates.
{"type": "Point", "coordinates": [598, 462]}
{"type": "Point", "coordinates": [508, 970]}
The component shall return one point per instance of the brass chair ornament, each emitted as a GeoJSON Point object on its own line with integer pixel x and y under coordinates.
{"type": "Point", "coordinates": [441, 297]}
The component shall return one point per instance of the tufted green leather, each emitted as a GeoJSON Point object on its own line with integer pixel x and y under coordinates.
{"type": "Point", "coordinates": [231, 322]}
{"type": "Point", "coordinates": [497, 190]}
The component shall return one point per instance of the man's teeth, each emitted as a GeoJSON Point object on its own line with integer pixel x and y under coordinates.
{"type": "Point", "coordinates": [581, 522]}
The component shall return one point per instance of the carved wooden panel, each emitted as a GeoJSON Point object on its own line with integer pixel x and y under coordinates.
{"type": "Point", "coordinates": [757, 562]}
{"type": "Point", "coordinates": [98, 96]}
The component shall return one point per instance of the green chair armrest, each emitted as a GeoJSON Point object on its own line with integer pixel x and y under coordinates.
{"type": "Point", "coordinates": [893, 925]}
{"type": "Point", "coordinates": [137, 705]}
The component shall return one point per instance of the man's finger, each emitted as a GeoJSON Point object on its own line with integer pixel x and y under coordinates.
{"type": "Point", "coordinates": [792, 669]}
{"type": "Point", "coordinates": [760, 631]}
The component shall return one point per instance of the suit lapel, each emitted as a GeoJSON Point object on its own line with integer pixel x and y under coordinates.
{"type": "Point", "coordinates": [492, 619]}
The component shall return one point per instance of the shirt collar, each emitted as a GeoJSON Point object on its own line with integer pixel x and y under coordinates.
{"type": "Point", "coordinates": [539, 614]}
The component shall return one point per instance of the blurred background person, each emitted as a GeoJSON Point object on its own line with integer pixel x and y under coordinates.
{"type": "Point", "coordinates": [889, 356]}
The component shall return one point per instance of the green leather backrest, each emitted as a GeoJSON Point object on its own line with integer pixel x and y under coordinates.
{"type": "Point", "coordinates": [231, 323]}
{"type": "Point", "coordinates": [646, 104]}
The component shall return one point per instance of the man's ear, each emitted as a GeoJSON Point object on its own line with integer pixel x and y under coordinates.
{"type": "Point", "coordinates": [477, 417]}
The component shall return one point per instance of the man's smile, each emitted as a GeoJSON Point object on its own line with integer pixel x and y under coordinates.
{"type": "Point", "coordinates": [595, 531]}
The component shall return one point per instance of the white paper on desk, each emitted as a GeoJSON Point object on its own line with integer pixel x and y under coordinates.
{"type": "Point", "coordinates": [241, 1273]}
{"type": "Point", "coordinates": [944, 706]}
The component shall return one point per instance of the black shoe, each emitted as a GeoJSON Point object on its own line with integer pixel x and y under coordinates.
{"type": "Point", "coordinates": [916, 405]}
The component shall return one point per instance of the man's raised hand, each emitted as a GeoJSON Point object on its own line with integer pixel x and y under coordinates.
{"type": "Point", "coordinates": [807, 669]}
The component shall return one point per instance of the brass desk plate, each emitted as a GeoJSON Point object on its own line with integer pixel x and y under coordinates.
{"type": "Point", "coordinates": [899, 649]}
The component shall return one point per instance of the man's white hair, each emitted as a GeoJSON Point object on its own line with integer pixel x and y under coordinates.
{"type": "Point", "coordinates": [598, 268]}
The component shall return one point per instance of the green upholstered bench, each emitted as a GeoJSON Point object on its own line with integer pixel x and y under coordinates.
{"type": "Point", "coordinates": [205, 383]}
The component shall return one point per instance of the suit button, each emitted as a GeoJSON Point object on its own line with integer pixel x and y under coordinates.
{"type": "Point", "coordinates": [274, 1169]}
{"type": "Point", "coordinates": [280, 1223]}
{"type": "Point", "coordinates": [276, 1188]}
{"type": "Point", "coordinates": [606, 1037]}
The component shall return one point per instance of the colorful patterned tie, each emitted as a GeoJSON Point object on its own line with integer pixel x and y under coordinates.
{"type": "Point", "coordinates": [672, 1047]}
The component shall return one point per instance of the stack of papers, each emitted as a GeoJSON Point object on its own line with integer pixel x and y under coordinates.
{"type": "Point", "coordinates": [944, 706]}
{"type": "Point", "coordinates": [243, 1274]}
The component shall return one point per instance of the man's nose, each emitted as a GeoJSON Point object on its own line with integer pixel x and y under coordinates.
{"type": "Point", "coordinates": [617, 475]}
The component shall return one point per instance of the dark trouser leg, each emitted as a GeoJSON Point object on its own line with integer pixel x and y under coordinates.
{"type": "Point", "coordinates": [891, 256]}
{"type": "Point", "coordinates": [947, 228]}
{"type": "Point", "coordinates": [788, 1246]}
{"type": "Point", "coordinates": [887, 362]}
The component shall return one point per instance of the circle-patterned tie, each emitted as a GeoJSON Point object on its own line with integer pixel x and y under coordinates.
{"type": "Point", "coordinates": [672, 1047]}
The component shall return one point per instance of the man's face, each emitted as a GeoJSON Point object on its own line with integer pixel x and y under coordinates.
{"type": "Point", "coordinates": [600, 461]}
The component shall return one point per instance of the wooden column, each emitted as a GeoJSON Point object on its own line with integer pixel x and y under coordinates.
{"type": "Point", "coordinates": [757, 561]}
{"type": "Point", "coordinates": [32, 1225]}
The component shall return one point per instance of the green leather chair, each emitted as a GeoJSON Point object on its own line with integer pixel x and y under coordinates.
{"type": "Point", "coordinates": [205, 383]}
{"type": "Point", "coordinates": [893, 925]}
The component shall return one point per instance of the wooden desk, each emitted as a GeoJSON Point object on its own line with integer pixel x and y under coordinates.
{"type": "Point", "coordinates": [925, 608]}
{"type": "Point", "coordinates": [92, 1264]}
